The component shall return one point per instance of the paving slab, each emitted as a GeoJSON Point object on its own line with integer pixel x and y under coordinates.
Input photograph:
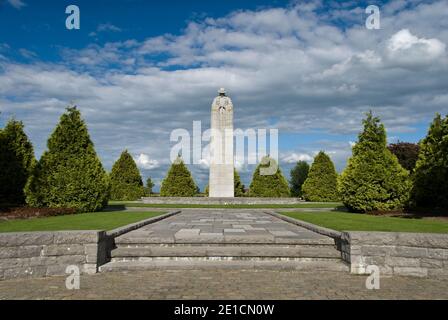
{"type": "Point", "coordinates": [226, 226]}
{"type": "Point", "coordinates": [225, 284]}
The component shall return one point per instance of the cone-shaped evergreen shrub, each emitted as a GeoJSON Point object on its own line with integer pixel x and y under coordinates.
{"type": "Point", "coordinates": [373, 178]}
{"type": "Point", "coordinates": [430, 187]}
{"type": "Point", "coordinates": [16, 162]}
{"type": "Point", "coordinates": [298, 176]}
{"type": "Point", "coordinates": [69, 174]}
{"type": "Point", "coordinates": [321, 183]}
{"type": "Point", "coordinates": [178, 181]}
{"type": "Point", "coordinates": [125, 180]}
{"type": "Point", "coordinates": [237, 185]}
{"type": "Point", "coordinates": [270, 185]}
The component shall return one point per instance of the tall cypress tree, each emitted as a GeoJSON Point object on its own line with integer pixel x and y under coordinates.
{"type": "Point", "coordinates": [125, 180]}
{"type": "Point", "coordinates": [69, 174]}
{"type": "Point", "coordinates": [149, 186]}
{"type": "Point", "coordinates": [321, 183]}
{"type": "Point", "coordinates": [178, 181]}
{"type": "Point", "coordinates": [298, 176]}
{"type": "Point", "coordinates": [16, 163]}
{"type": "Point", "coordinates": [373, 178]}
{"type": "Point", "coordinates": [238, 186]}
{"type": "Point", "coordinates": [270, 185]}
{"type": "Point", "coordinates": [430, 179]}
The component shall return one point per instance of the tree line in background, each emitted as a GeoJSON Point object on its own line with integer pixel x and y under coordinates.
{"type": "Point", "coordinates": [378, 177]}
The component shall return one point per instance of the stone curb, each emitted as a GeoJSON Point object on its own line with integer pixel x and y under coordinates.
{"type": "Point", "coordinates": [321, 230]}
{"type": "Point", "coordinates": [133, 226]}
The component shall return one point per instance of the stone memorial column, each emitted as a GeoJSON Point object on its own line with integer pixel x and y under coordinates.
{"type": "Point", "coordinates": [221, 147]}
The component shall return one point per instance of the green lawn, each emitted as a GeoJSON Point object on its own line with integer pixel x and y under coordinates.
{"type": "Point", "coordinates": [328, 205]}
{"type": "Point", "coordinates": [344, 221]}
{"type": "Point", "coordinates": [82, 221]}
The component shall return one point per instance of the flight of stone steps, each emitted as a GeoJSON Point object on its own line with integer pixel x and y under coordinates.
{"type": "Point", "coordinates": [224, 239]}
{"type": "Point", "coordinates": [138, 255]}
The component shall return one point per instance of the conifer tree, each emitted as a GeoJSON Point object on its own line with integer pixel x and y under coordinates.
{"type": "Point", "coordinates": [268, 185]}
{"type": "Point", "coordinates": [178, 181]}
{"type": "Point", "coordinates": [321, 183]}
{"type": "Point", "coordinates": [149, 186]}
{"type": "Point", "coordinates": [298, 176]}
{"type": "Point", "coordinates": [16, 163]}
{"type": "Point", "coordinates": [430, 179]}
{"type": "Point", "coordinates": [69, 174]}
{"type": "Point", "coordinates": [238, 186]}
{"type": "Point", "coordinates": [373, 178]}
{"type": "Point", "coordinates": [125, 180]}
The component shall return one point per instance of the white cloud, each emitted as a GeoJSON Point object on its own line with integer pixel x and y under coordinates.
{"type": "Point", "coordinates": [295, 157]}
{"type": "Point", "coordinates": [143, 161]}
{"type": "Point", "coordinates": [104, 27]}
{"type": "Point", "coordinates": [18, 4]}
{"type": "Point", "coordinates": [28, 54]}
{"type": "Point", "coordinates": [405, 47]}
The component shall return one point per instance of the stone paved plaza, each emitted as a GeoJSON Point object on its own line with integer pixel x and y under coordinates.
{"type": "Point", "coordinates": [225, 284]}
{"type": "Point", "coordinates": [223, 226]}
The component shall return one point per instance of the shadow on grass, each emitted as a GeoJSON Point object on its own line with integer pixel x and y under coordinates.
{"type": "Point", "coordinates": [340, 208]}
{"type": "Point", "coordinates": [115, 207]}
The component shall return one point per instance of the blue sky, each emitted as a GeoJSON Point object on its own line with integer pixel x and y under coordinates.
{"type": "Point", "coordinates": [139, 69]}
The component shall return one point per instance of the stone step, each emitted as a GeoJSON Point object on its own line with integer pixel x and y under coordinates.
{"type": "Point", "coordinates": [303, 264]}
{"type": "Point", "coordinates": [222, 240]}
{"type": "Point", "coordinates": [296, 251]}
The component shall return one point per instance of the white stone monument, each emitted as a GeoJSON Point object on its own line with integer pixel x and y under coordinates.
{"type": "Point", "coordinates": [221, 147]}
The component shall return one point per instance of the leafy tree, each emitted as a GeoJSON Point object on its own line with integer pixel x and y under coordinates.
{"type": "Point", "coordinates": [69, 174]}
{"type": "Point", "coordinates": [16, 163]}
{"type": "Point", "coordinates": [407, 154]}
{"type": "Point", "coordinates": [430, 179]}
{"type": "Point", "coordinates": [268, 185]}
{"type": "Point", "coordinates": [125, 180]}
{"type": "Point", "coordinates": [237, 185]}
{"type": "Point", "coordinates": [373, 178]}
{"type": "Point", "coordinates": [298, 176]}
{"type": "Point", "coordinates": [321, 183]}
{"type": "Point", "coordinates": [178, 181]}
{"type": "Point", "coordinates": [149, 185]}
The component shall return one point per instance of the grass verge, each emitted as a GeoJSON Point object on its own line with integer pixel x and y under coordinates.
{"type": "Point", "coordinates": [82, 221]}
{"type": "Point", "coordinates": [345, 221]}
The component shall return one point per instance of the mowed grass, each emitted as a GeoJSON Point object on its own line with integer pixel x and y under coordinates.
{"type": "Point", "coordinates": [327, 205]}
{"type": "Point", "coordinates": [345, 221]}
{"type": "Point", "coordinates": [82, 221]}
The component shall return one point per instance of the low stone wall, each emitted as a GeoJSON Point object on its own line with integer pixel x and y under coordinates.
{"type": "Point", "coordinates": [223, 201]}
{"type": "Point", "coordinates": [38, 254]}
{"type": "Point", "coordinates": [396, 253]}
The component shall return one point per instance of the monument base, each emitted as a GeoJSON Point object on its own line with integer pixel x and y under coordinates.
{"type": "Point", "coordinates": [221, 200]}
